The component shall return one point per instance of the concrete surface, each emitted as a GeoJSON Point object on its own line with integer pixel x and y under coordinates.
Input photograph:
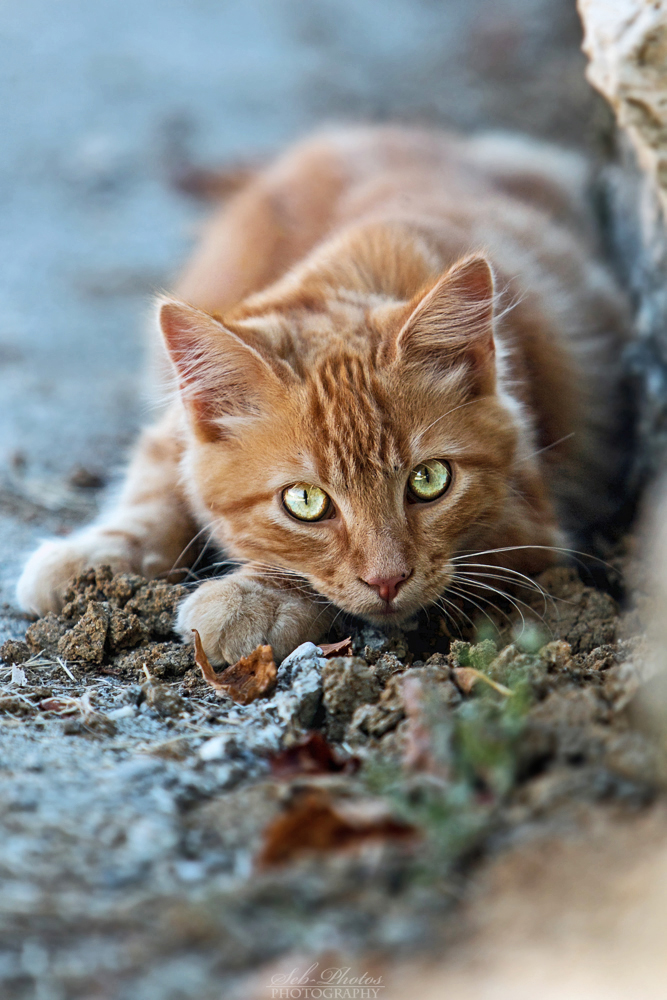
{"type": "Point", "coordinates": [102, 102]}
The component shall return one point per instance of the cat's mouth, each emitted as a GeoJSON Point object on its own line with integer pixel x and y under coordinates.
{"type": "Point", "coordinates": [386, 613]}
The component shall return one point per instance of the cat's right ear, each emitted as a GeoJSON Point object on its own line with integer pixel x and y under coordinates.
{"type": "Point", "coordinates": [222, 379]}
{"type": "Point", "coordinates": [450, 327]}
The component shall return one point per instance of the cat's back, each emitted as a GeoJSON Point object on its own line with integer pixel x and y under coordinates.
{"type": "Point", "coordinates": [491, 188]}
{"type": "Point", "coordinates": [421, 166]}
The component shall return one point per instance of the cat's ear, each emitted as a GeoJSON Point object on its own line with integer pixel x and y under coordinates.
{"type": "Point", "coordinates": [221, 377]}
{"type": "Point", "coordinates": [451, 325]}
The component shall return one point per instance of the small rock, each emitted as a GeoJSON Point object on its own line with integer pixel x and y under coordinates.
{"type": "Point", "coordinates": [305, 657]}
{"type": "Point", "coordinates": [85, 641]}
{"type": "Point", "coordinates": [386, 665]}
{"type": "Point", "coordinates": [557, 655]}
{"type": "Point", "coordinates": [163, 660]}
{"type": "Point", "coordinates": [372, 643]}
{"type": "Point", "coordinates": [601, 658]}
{"type": "Point", "coordinates": [448, 694]}
{"type": "Point", "coordinates": [125, 631]}
{"type": "Point", "coordinates": [45, 634]}
{"type": "Point", "coordinates": [438, 660]}
{"type": "Point", "coordinates": [377, 719]}
{"type": "Point", "coordinates": [131, 695]}
{"type": "Point", "coordinates": [299, 687]}
{"type": "Point", "coordinates": [124, 712]}
{"type": "Point", "coordinates": [18, 676]}
{"type": "Point", "coordinates": [94, 724]}
{"type": "Point", "coordinates": [218, 747]}
{"type": "Point", "coordinates": [162, 699]}
{"type": "Point", "coordinates": [193, 683]}
{"type": "Point", "coordinates": [347, 682]}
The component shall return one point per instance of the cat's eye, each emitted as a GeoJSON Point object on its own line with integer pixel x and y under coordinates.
{"type": "Point", "coordinates": [306, 502]}
{"type": "Point", "coordinates": [429, 480]}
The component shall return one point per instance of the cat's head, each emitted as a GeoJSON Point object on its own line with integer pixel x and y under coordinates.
{"type": "Point", "coordinates": [362, 467]}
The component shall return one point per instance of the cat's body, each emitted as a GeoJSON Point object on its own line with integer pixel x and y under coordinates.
{"type": "Point", "coordinates": [360, 334]}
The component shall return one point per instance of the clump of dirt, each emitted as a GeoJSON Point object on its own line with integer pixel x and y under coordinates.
{"type": "Point", "coordinates": [119, 622]}
{"type": "Point", "coordinates": [586, 617]}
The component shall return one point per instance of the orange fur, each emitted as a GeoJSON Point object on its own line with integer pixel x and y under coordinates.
{"type": "Point", "coordinates": [375, 299]}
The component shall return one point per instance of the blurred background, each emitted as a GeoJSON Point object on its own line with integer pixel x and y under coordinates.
{"type": "Point", "coordinates": [105, 105]}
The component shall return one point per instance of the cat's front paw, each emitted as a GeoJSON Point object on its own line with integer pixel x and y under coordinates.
{"type": "Point", "coordinates": [49, 570]}
{"type": "Point", "coordinates": [236, 614]}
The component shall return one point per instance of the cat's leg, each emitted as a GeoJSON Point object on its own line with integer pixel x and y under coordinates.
{"type": "Point", "coordinates": [145, 531]}
{"type": "Point", "coordinates": [239, 612]}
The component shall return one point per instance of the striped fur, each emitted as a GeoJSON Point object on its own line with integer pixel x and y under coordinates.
{"type": "Point", "coordinates": [376, 298]}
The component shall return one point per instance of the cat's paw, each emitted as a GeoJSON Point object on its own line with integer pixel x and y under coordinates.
{"type": "Point", "coordinates": [237, 613]}
{"type": "Point", "coordinates": [49, 570]}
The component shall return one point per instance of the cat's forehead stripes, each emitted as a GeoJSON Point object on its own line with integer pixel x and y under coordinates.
{"type": "Point", "coordinates": [348, 411]}
{"type": "Point", "coordinates": [302, 332]}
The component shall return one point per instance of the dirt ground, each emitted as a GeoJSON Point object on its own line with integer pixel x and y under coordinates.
{"type": "Point", "coordinates": [162, 839]}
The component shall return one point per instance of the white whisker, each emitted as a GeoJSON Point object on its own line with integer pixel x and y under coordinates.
{"type": "Point", "coordinates": [442, 417]}
{"type": "Point", "coordinates": [514, 601]}
{"type": "Point", "coordinates": [479, 607]}
{"type": "Point", "coordinates": [543, 548]}
{"type": "Point", "coordinates": [485, 575]}
{"type": "Point", "coordinates": [451, 604]}
{"type": "Point", "coordinates": [466, 596]}
{"type": "Point", "coordinates": [548, 447]}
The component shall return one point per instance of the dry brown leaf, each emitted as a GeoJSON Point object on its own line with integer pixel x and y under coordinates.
{"type": "Point", "coordinates": [342, 648]}
{"type": "Point", "coordinates": [250, 678]}
{"type": "Point", "coordinates": [62, 706]}
{"type": "Point", "coordinates": [467, 677]}
{"type": "Point", "coordinates": [314, 822]}
{"type": "Point", "coordinates": [312, 755]}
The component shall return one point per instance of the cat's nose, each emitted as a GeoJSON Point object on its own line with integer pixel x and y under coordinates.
{"type": "Point", "coordinates": [387, 586]}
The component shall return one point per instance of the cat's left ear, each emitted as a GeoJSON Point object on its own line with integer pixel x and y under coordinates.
{"type": "Point", "coordinates": [451, 326]}
{"type": "Point", "coordinates": [223, 379]}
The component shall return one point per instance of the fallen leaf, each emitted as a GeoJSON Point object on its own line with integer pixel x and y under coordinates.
{"type": "Point", "coordinates": [342, 648]}
{"type": "Point", "coordinates": [467, 677]}
{"type": "Point", "coordinates": [315, 822]}
{"type": "Point", "coordinates": [250, 678]}
{"type": "Point", "coordinates": [60, 705]}
{"type": "Point", "coordinates": [312, 755]}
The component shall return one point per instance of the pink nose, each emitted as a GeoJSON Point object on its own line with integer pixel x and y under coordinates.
{"type": "Point", "coordinates": [387, 586]}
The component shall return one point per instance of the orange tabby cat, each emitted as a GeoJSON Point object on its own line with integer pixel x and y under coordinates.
{"type": "Point", "coordinates": [393, 348]}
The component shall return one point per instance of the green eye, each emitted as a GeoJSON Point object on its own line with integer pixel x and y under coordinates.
{"type": "Point", "coordinates": [308, 503]}
{"type": "Point", "coordinates": [429, 480]}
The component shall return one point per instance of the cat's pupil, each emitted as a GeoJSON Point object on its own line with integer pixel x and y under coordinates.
{"type": "Point", "coordinates": [306, 502]}
{"type": "Point", "coordinates": [429, 480]}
